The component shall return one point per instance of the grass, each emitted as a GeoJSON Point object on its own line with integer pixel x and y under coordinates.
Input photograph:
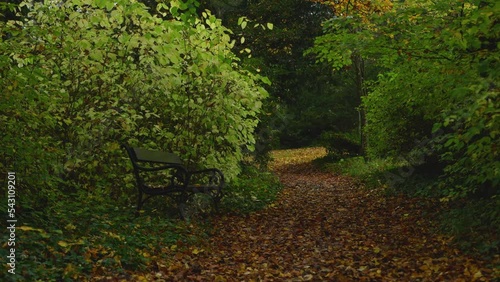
{"type": "Point", "coordinates": [373, 173]}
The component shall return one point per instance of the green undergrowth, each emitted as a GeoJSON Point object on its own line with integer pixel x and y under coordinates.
{"type": "Point", "coordinates": [79, 238]}
{"type": "Point", "coordinates": [78, 241]}
{"type": "Point", "coordinates": [472, 222]}
{"type": "Point", "coordinates": [253, 190]}
{"type": "Point", "coordinates": [372, 173]}
{"type": "Point", "coordinates": [475, 225]}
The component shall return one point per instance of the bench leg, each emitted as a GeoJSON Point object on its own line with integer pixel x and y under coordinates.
{"type": "Point", "coordinates": [139, 204]}
{"type": "Point", "coordinates": [216, 197]}
{"type": "Point", "coordinates": [182, 202]}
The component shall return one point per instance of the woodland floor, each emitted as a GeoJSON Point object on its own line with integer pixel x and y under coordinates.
{"type": "Point", "coordinates": [325, 227]}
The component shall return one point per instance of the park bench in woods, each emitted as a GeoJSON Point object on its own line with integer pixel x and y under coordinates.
{"type": "Point", "coordinates": [160, 173]}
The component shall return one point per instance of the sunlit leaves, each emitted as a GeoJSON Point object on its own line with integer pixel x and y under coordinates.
{"type": "Point", "coordinates": [365, 8]}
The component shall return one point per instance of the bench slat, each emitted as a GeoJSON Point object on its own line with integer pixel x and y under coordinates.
{"type": "Point", "coordinates": [145, 155]}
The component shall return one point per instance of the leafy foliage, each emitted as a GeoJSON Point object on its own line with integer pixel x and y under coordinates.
{"type": "Point", "coordinates": [433, 107]}
{"type": "Point", "coordinates": [339, 145]}
{"type": "Point", "coordinates": [439, 80]}
{"type": "Point", "coordinates": [307, 98]}
{"type": "Point", "coordinates": [85, 76]}
{"type": "Point", "coordinates": [83, 241]}
{"type": "Point", "coordinates": [474, 224]}
{"type": "Point", "coordinates": [252, 191]}
{"type": "Point", "coordinates": [363, 8]}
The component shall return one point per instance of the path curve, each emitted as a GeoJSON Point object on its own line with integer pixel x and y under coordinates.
{"type": "Point", "coordinates": [325, 227]}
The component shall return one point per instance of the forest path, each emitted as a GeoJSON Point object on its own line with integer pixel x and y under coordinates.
{"type": "Point", "coordinates": [325, 227]}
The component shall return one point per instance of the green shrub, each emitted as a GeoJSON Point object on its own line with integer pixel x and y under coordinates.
{"type": "Point", "coordinates": [254, 189]}
{"type": "Point", "coordinates": [81, 241]}
{"type": "Point", "coordinates": [474, 224]}
{"type": "Point", "coordinates": [372, 173]}
{"type": "Point", "coordinates": [80, 78]}
{"type": "Point", "coordinates": [339, 145]}
{"type": "Point", "coordinates": [431, 81]}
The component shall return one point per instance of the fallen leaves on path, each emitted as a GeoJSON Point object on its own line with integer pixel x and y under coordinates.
{"type": "Point", "coordinates": [325, 227]}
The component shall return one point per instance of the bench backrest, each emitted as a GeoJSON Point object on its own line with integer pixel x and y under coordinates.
{"type": "Point", "coordinates": [151, 156]}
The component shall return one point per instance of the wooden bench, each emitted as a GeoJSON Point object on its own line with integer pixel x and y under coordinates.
{"type": "Point", "coordinates": [159, 173]}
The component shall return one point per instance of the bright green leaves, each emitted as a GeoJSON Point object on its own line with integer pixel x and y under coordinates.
{"type": "Point", "coordinates": [89, 74]}
{"type": "Point", "coordinates": [342, 38]}
{"type": "Point", "coordinates": [184, 11]}
{"type": "Point", "coordinates": [243, 22]}
{"type": "Point", "coordinates": [104, 4]}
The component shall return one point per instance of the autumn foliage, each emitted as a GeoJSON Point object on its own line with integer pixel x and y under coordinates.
{"type": "Point", "coordinates": [345, 8]}
{"type": "Point", "coordinates": [325, 227]}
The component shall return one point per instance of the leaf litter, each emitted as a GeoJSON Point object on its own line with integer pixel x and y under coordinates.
{"type": "Point", "coordinates": [325, 227]}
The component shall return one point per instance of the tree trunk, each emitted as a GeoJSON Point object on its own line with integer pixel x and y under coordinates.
{"type": "Point", "coordinates": [359, 77]}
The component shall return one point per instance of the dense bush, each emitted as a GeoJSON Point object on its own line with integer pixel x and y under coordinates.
{"type": "Point", "coordinates": [339, 145]}
{"type": "Point", "coordinates": [83, 77]}
{"type": "Point", "coordinates": [475, 225]}
{"type": "Point", "coordinates": [253, 190]}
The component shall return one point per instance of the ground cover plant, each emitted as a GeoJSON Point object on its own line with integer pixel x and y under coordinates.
{"type": "Point", "coordinates": [105, 241]}
{"type": "Point", "coordinates": [83, 77]}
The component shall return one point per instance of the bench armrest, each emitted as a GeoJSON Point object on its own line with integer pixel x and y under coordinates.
{"type": "Point", "coordinates": [163, 167]}
{"type": "Point", "coordinates": [215, 177]}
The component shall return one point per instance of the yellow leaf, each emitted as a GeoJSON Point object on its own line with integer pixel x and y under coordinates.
{"type": "Point", "coordinates": [70, 268]}
{"type": "Point", "coordinates": [197, 251]}
{"type": "Point", "coordinates": [307, 277]}
{"type": "Point", "coordinates": [113, 235]}
{"type": "Point", "coordinates": [28, 228]}
{"type": "Point", "coordinates": [63, 244]}
{"type": "Point", "coordinates": [219, 278]}
{"type": "Point", "coordinates": [173, 247]}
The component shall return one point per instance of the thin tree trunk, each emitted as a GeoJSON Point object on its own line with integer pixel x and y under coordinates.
{"type": "Point", "coordinates": [359, 73]}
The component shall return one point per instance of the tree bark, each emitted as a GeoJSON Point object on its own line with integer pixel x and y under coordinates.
{"type": "Point", "coordinates": [359, 77]}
